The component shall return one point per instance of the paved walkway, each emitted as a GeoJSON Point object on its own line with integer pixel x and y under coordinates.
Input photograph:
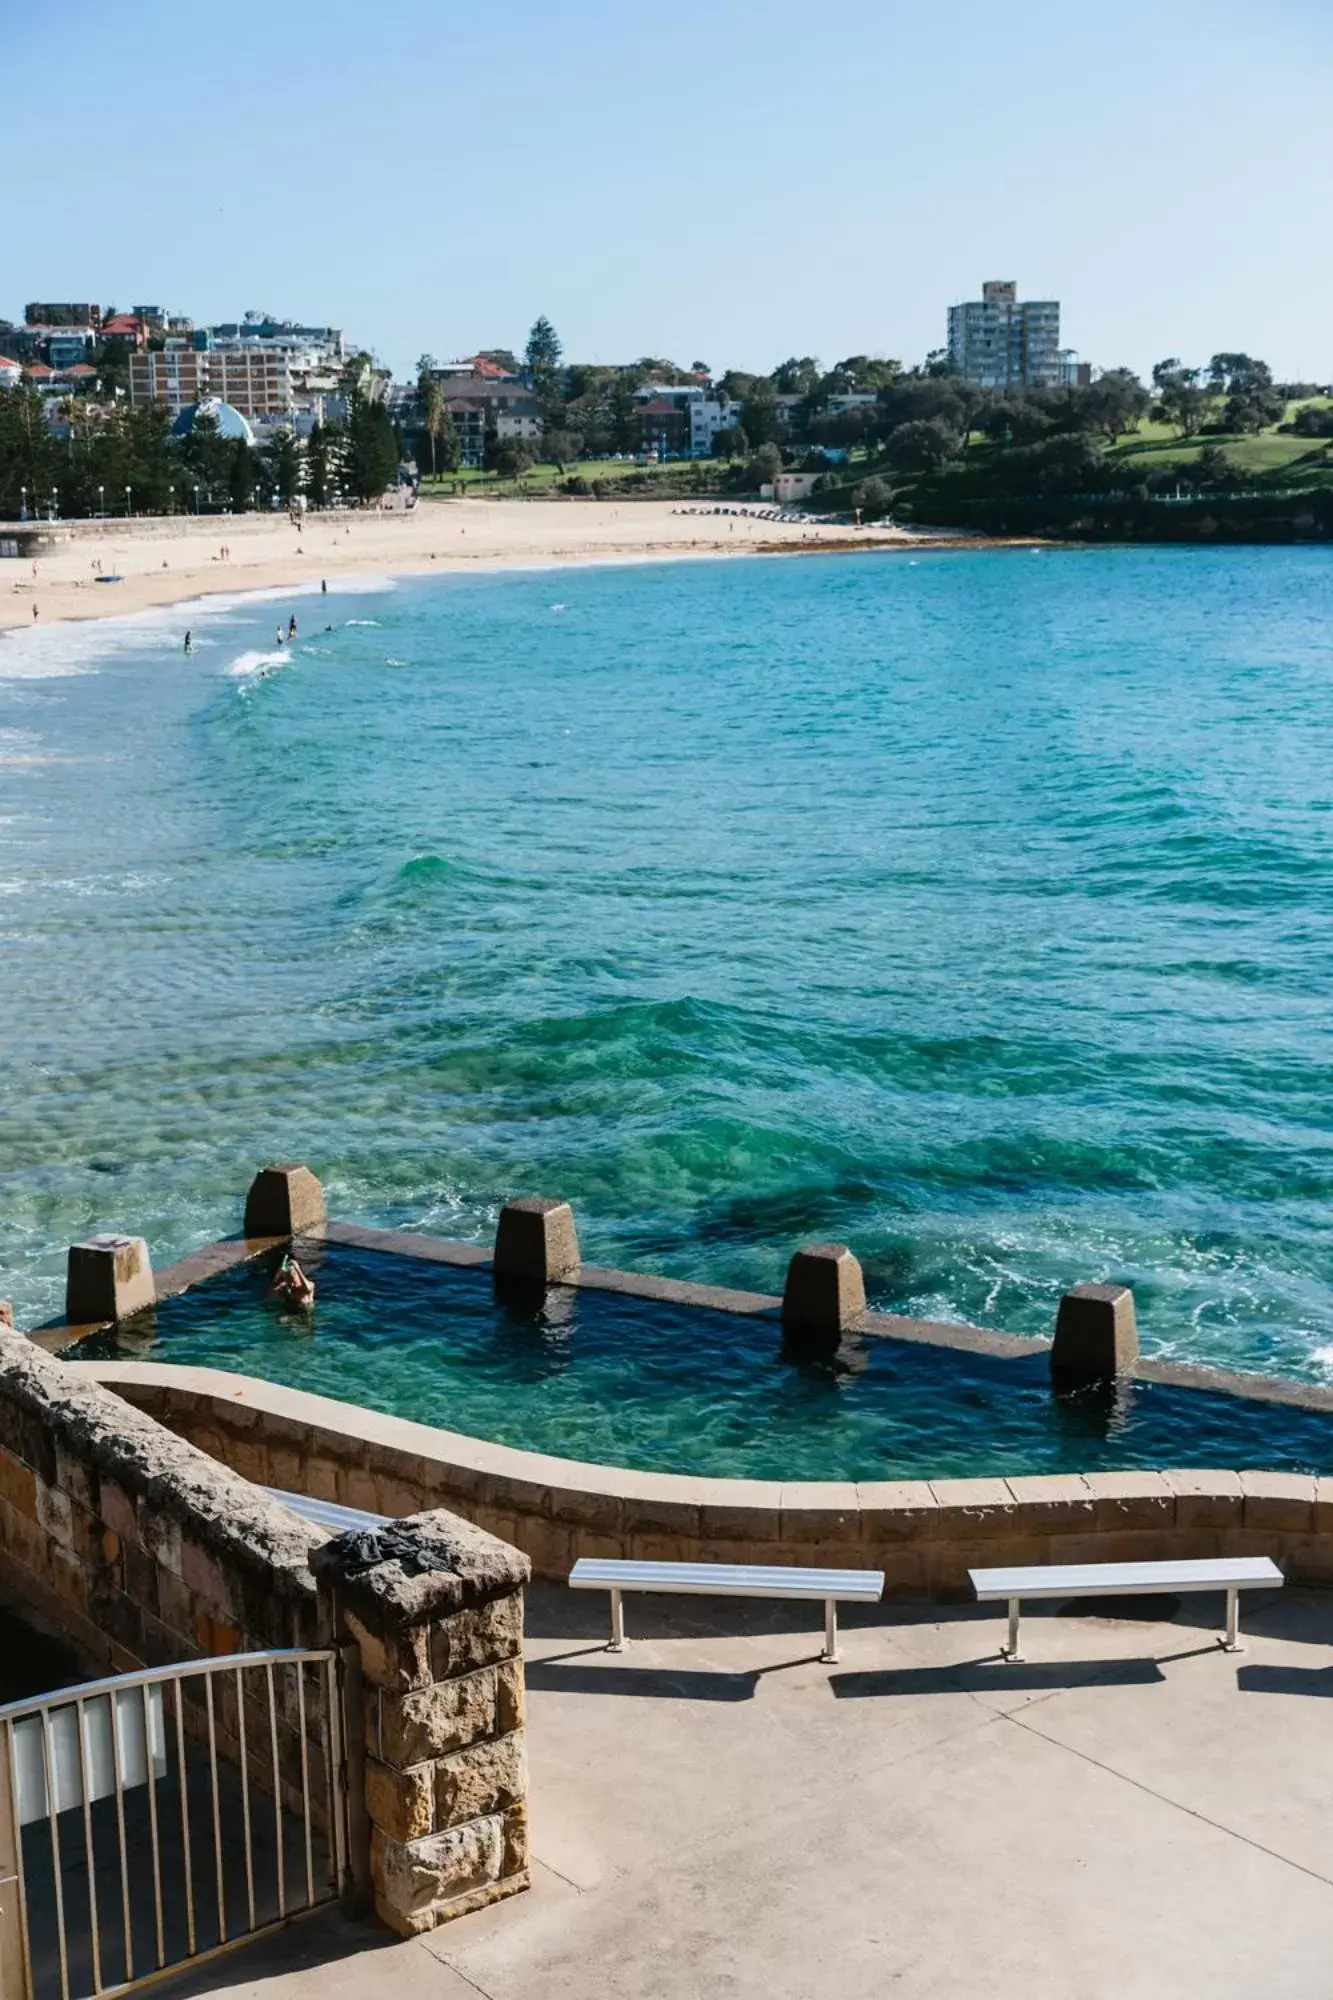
{"type": "Point", "coordinates": [1133, 1815]}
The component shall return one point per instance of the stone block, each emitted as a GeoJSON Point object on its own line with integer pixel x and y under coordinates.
{"type": "Point", "coordinates": [1053, 1503]}
{"type": "Point", "coordinates": [536, 1240]}
{"type": "Point", "coordinates": [481, 1637]}
{"type": "Point", "coordinates": [422, 1883]}
{"type": "Point", "coordinates": [825, 1290]}
{"type": "Point", "coordinates": [396, 1661]}
{"type": "Point", "coordinates": [746, 1510]}
{"type": "Point", "coordinates": [55, 1516]}
{"type": "Point", "coordinates": [18, 1486]}
{"type": "Point", "coordinates": [973, 1509]}
{"type": "Point", "coordinates": [516, 1840]}
{"type": "Point", "coordinates": [484, 1779]}
{"type": "Point", "coordinates": [1095, 1332]}
{"type": "Point", "coordinates": [1278, 1501]}
{"type": "Point", "coordinates": [896, 1510]}
{"type": "Point", "coordinates": [284, 1200]}
{"type": "Point", "coordinates": [76, 1479]}
{"type": "Point", "coordinates": [107, 1278]}
{"type": "Point", "coordinates": [161, 1536]}
{"type": "Point", "coordinates": [1129, 1500]}
{"type": "Point", "coordinates": [510, 1697]}
{"type": "Point", "coordinates": [815, 1510]}
{"type": "Point", "coordinates": [401, 1803]}
{"type": "Point", "coordinates": [1206, 1500]}
{"type": "Point", "coordinates": [204, 1575]}
{"type": "Point", "coordinates": [435, 1721]}
{"type": "Point", "coordinates": [1323, 1505]}
{"type": "Point", "coordinates": [118, 1509]}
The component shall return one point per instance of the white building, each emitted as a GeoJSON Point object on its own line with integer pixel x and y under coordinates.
{"type": "Point", "coordinates": [704, 416]}
{"type": "Point", "coordinates": [1001, 342]}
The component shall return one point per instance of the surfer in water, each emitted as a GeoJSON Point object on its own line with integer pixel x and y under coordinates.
{"type": "Point", "coordinates": [291, 626]}
{"type": "Point", "coordinates": [281, 635]}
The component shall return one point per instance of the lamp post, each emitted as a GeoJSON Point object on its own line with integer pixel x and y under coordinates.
{"type": "Point", "coordinates": [101, 502]}
{"type": "Point", "coordinates": [55, 503]}
{"type": "Point", "coordinates": [128, 491]}
{"type": "Point", "coordinates": [23, 503]}
{"type": "Point", "coordinates": [196, 496]}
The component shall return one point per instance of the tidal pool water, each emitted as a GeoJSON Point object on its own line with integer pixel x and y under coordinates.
{"type": "Point", "coordinates": [621, 1381]}
{"type": "Point", "coordinates": [972, 908]}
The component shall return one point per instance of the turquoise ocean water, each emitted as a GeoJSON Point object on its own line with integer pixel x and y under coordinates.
{"type": "Point", "coordinates": [973, 908]}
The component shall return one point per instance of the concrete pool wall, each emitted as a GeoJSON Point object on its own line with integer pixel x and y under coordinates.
{"type": "Point", "coordinates": [923, 1533]}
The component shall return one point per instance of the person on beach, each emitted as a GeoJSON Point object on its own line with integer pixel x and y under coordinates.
{"type": "Point", "coordinates": [292, 1284]}
{"type": "Point", "coordinates": [34, 610]}
{"type": "Point", "coordinates": [323, 586]}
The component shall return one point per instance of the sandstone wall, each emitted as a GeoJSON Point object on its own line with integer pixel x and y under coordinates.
{"type": "Point", "coordinates": [924, 1534]}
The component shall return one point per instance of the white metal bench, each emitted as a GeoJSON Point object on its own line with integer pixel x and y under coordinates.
{"type": "Point", "coordinates": [834, 1586]}
{"type": "Point", "coordinates": [1230, 1573]}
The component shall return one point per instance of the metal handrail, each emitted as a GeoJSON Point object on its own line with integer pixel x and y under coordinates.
{"type": "Point", "coordinates": [146, 1676]}
{"type": "Point", "coordinates": [97, 1745]}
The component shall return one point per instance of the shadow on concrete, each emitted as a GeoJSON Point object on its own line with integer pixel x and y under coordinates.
{"type": "Point", "coordinates": [312, 1944]}
{"type": "Point", "coordinates": [648, 1683]}
{"type": "Point", "coordinates": [1285, 1680]}
{"type": "Point", "coordinates": [995, 1677]}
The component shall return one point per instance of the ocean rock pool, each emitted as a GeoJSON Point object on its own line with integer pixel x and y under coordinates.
{"type": "Point", "coordinates": [619, 1380]}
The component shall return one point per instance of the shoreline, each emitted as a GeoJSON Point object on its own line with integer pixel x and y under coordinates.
{"type": "Point", "coordinates": [164, 561]}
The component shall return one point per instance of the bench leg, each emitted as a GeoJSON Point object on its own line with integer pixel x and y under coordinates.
{"type": "Point", "coordinates": [1011, 1652]}
{"type": "Point", "coordinates": [617, 1644]}
{"type": "Point", "coordinates": [1231, 1644]}
{"type": "Point", "coordinates": [830, 1652]}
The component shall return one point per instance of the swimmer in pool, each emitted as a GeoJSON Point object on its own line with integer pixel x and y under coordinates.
{"type": "Point", "coordinates": [292, 1284]}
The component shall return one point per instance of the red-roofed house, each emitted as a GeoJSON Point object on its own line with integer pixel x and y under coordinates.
{"type": "Point", "coordinates": [126, 326]}
{"type": "Point", "coordinates": [37, 371]}
{"type": "Point", "coordinates": [11, 372]}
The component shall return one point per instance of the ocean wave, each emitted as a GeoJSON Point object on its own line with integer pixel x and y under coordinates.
{"type": "Point", "coordinates": [248, 665]}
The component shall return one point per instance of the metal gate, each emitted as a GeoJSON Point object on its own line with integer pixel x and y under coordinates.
{"type": "Point", "coordinates": [161, 1817]}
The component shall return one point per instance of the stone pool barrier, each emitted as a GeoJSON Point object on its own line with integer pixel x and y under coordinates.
{"type": "Point", "coordinates": [144, 1551]}
{"type": "Point", "coordinates": [924, 1534]}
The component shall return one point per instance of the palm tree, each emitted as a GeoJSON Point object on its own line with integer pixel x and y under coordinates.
{"type": "Point", "coordinates": [431, 396]}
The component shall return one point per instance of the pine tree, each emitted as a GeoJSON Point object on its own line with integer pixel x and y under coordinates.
{"type": "Point", "coordinates": [543, 350]}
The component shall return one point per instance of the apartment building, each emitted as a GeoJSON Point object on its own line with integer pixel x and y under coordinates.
{"type": "Point", "coordinates": [1001, 342]}
{"type": "Point", "coordinates": [682, 418]}
{"type": "Point", "coordinates": [271, 371]}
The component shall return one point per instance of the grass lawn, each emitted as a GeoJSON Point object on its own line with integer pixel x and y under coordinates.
{"type": "Point", "coordinates": [546, 478]}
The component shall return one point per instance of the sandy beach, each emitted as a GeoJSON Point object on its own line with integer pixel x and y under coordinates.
{"type": "Point", "coordinates": [166, 561]}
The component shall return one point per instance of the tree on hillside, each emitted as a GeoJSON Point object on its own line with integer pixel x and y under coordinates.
{"type": "Point", "coordinates": [874, 498]}
{"type": "Point", "coordinates": [762, 424]}
{"type": "Point", "coordinates": [512, 457]}
{"type": "Point", "coordinates": [503, 357]}
{"type": "Point", "coordinates": [372, 449]}
{"type": "Point", "coordinates": [1212, 470]}
{"type": "Point", "coordinates": [795, 377]}
{"type": "Point", "coordinates": [1253, 408]}
{"type": "Point", "coordinates": [560, 446]}
{"type": "Point", "coordinates": [430, 396]}
{"type": "Point", "coordinates": [324, 458]}
{"type": "Point", "coordinates": [1239, 374]}
{"type": "Point", "coordinates": [449, 445]}
{"type": "Point", "coordinates": [543, 350]}
{"type": "Point", "coordinates": [27, 451]}
{"type": "Point", "coordinates": [241, 476]}
{"type": "Point", "coordinates": [923, 445]}
{"type": "Point", "coordinates": [730, 443]}
{"type": "Point", "coordinates": [1115, 402]}
{"type": "Point", "coordinates": [282, 461]}
{"type": "Point", "coordinates": [1184, 402]}
{"type": "Point", "coordinates": [765, 466]}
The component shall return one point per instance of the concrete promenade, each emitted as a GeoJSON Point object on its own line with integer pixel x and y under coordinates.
{"type": "Point", "coordinates": [1133, 1815]}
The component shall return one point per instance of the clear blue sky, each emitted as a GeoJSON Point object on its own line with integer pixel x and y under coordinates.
{"type": "Point", "coordinates": [732, 182]}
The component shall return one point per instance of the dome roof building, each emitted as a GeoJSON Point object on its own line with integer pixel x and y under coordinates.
{"type": "Point", "coordinates": [230, 422]}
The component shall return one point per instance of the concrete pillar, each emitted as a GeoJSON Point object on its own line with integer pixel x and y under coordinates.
{"type": "Point", "coordinates": [435, 1607]}
{"type": "Point", "coordinates": [284, 1201]}
{"type": "Point", "coordinates": [825, 1290]}
{"type": "Point", "coordinates": [107, 1278]}
{"type": "Point", "coordinates": [537, 1240]}
{"type": "Point", "coordinates": [1095, 1332]}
